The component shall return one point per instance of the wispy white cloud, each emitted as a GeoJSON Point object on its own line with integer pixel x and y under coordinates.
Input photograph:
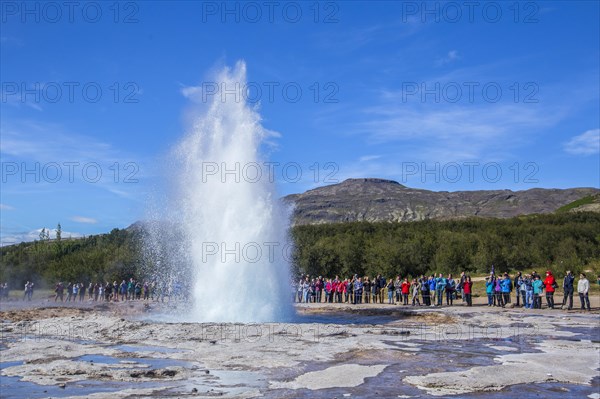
{"type": "Point", "coordinates": [47, 142]}
{"type": "Point", "coordinates": [16, 99]}
{"type": "Point", "coordinates": [459, 132]}
{"type": "Point", "coordinates": [448, 58]}
{"type": "Point", "coordinates": [5, 207]}
{"type": "Point", "coordinates": [426, 129]}
{"type": "Point", "coordinates": [33, 235]}
{"type": "Point", "coordinates": [367, 158]}
{"type": "Point", "coordinates": [191, 92]}
{"type": "Point", "coordinates": [587, 143]}
{"type": "Point", "coordinates": [11, 41]}
{"type": "Point", "coordinates": [35, 143]}
{"type": "Point", "coordinates": [387, 32]}
{"type": "Point", "coordinates": [83, 219]}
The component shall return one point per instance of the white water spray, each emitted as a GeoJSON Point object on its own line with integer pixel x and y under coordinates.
{"type": "Point", "coordinates": [234, 222]}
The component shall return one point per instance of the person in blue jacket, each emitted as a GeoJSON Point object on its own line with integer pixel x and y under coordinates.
{"type": "Point", "coordinates": [489, 290]}
{"type": "Point", "coordinates": [432, 284]}
{"type": "Point", "coordinates": [538, 288]}
{"type": "Point", "coordinates": [506, 287]}
{"type": "Point", "coordinates": [528, 283]}
{"type": "Point", "coordinates": [440, 286]}
{"type": "Point", "coordinates": [568, 288]}
{"type": "Point", "coordinates": [517, 285]}
{"type": "Point", "coordinates": [425, 291]}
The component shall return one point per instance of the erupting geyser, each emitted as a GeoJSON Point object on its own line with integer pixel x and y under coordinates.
{"type": "Point", "coordinates": [234, 222]}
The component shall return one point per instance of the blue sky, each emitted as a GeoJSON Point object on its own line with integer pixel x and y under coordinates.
{"type": "Point", "coordinates": [434, 95]}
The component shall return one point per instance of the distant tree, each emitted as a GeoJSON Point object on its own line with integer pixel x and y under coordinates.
{"type": "Point", "coordinates": [43, 234]}
{"type": "Point", "coordinates": [58, 232]}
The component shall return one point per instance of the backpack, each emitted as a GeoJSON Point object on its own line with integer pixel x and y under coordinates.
{"type": "Point", "coordinates": [451, 285]}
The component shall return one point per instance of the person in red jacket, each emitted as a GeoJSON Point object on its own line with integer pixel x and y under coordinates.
{"type": "Point", "coordinates": [328, 291]}
{"type": "Point", "coordinates": [343, 288]}
{"type": "Point", "coordinates": [405, 291]}
{"type": "Point", "coordinates": [335, 289]}
{"type": "Point", "coordinates": [550, 285]}
{"type": "Point", "coordinates": [467, 289]}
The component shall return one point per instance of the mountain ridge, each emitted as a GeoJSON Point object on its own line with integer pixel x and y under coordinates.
{"type": "Point", "coordinates": [375, 200]}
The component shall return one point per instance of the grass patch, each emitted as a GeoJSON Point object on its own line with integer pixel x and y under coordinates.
{"type": "Point", "coordinates": [590, 199]}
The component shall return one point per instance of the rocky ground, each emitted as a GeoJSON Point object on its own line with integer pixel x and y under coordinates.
{"type": "Point", "coordinates": [134, 350]}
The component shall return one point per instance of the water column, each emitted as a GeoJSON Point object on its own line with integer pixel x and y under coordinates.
{"type": "Point", "coordinates": [233, 220]}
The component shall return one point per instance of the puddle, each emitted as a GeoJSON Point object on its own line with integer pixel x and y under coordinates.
{"type": "Point", "coordinates": [436, 357]}
{"type": "Point", "coordinates": [591, 333]}
{"type": "Point", "coordinates": [149, 362]}
{"type": "Point", "coordinates": [429, 357]}
{"type": "Point", "coordinates": [14, 388]}
{"type": "Point", "coordinates": [146, 348]}
{"type": "Point", "coordinates": [218, 383]}
{"type": "Point", "coordinates": [230, 378]}
{"type": "Point", "coordinates": [102, 359]}
{"type": "Point", "coordinates": [4, 365]}
{"type": "Point", "coordinates": [343, 316]}
{"type": "Point", "coordinates": [215, 382]}
{"type": "Point", "coordinates": [545, 390]}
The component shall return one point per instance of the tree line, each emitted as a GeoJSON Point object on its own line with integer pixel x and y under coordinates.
{"type": "Point", "coordinates": [562, 241]}
{"type": "Point", "coordinates": [96, 258]}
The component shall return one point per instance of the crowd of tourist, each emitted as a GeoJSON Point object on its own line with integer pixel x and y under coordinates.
{"type": "Point", "coordinates": [426, 291]}
{"type": "Point", "coordinates": [436, 290]}
{"type": "Point", "coordinates": [528, 290]}
{"type": "Point", "coordinates": [130, 290]}
{"type": "Point", "coordinates": [27, 292]}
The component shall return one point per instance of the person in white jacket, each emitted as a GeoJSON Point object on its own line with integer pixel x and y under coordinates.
{"type": "Point", "coordinates": [583, 288]}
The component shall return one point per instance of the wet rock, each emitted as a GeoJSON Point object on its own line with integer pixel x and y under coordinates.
{"type": "Point", "coordinates": [150, 374]}
{"type": "Point", "coordinates": [169, 373]}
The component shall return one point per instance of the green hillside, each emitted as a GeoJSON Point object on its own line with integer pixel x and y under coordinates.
{"type": "Point", "coordinates": [587, 200]}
